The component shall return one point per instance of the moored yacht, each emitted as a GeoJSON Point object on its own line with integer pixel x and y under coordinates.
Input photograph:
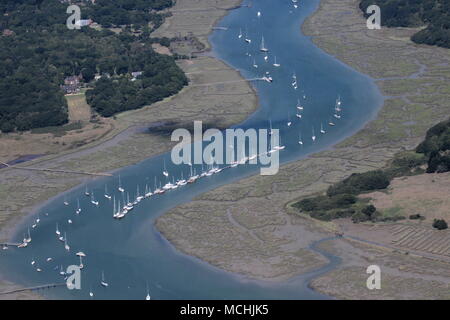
{"type": "Point", "coordinates": [263, 46]}
{"type": "Point", "coordinates": [103, 281]}
{"type": "Point", "coordinates": [120, 186]}
{"type": "Point", "coordinates": [276, 64]}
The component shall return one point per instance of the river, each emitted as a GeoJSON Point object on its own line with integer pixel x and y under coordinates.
{"type": "Point", "coordinates": [131, 252]}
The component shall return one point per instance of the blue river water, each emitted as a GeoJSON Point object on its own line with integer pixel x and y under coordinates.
{"type": "Point", "coordinates": [131, 253]}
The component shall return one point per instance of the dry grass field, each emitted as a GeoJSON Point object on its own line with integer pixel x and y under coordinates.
{"type": "Point", "coordinates": [79, 110]}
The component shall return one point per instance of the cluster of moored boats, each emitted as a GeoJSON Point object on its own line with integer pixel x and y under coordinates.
{"type": "Point", "coordinates": [336, 115]}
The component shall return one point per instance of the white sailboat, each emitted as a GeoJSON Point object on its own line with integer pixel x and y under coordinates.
{"type": "Point", "coordinates": [86, 192]}
{"type": "Point", "coordinates": [139, 198]}
{"type": "Point", "coordinates": [254, 64]}
{"type": "Point", "coordinates": [66, 245]}
{"type": "Point", "coordinates": [289, 123]}
{"type": "Point", "coordinates": [28, 239]}
{"type": "Point", "coordinates": [120, 186]}
{"type": "Point", "coordinates": [247, 39]}
{"type": "Point", "coordinates": [103, 281]}
{"type": "Point", "coordinates": [299, 105]}
{"type": "Point", "coordinates": [300, 141]}
{"type": "Point", "coordinates": [240, 34]}
{"type": "Point", "coordinates": [148, 192]}
{"type": "Point", "coordinates": [95, 203]}
{"type": "Point", "coordinates": [263, 46]}
{"type": "Point", "coordinates": [115, 212]}
{"type": "Point", "coordinates": [279, 147]}
{"type": "Point", "coordinates": [338, 103]}
{"type": "Point", "coordinates": [147, 297]}
{"type": "Point", "coordinates": [313, 137]}
{"type": "Point", "coordinates": [81, 265]}
{"type": "Point", "coordinates": [275, 64]}
{"type": "Point", "coordinates": [322, 131]}
{"type": "Point", "coordinates": [78, 211]}
{"type": "Point", "coordinates": [107, 196]}
{"type": "Point", "coordinates": [58, 233]}
{"type": "Point", "coordinates": [66, 203]}
{"type": "Point", "coordinates": [61, 271]}
{"type": "Point", "coordinates": [165, 172]}
{"type": "Point", "coordinates": [331, 123]}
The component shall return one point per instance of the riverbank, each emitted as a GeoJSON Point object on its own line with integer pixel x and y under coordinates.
{"type": "Point", "coordinates": [219, 105]}
{"type": "Point", "coordinates": [236, 235]}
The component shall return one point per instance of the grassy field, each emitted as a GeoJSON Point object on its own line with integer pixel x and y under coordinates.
{"type": "Point", "coordinates": [79, 110]}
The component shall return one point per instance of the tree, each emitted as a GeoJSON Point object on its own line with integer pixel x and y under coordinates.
{"type": "Point", "coordinates": [440, 224]}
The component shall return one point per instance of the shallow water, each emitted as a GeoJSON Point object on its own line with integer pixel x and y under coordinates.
{"type": "Point", "coordinates": [131, 252]}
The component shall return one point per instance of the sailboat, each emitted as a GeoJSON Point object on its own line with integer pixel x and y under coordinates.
{"type": "Point", "coordinates": [58, 233]}
{"type": "Point", "coordinates": [270, 127]}
{"type": "Point", "coordinates": [331, 123]}
{"type": "Point", "coordinates": [66, 245]}
{"type": "Point", "coordinates": [66, 203]}
{"type": "Point", "coordinates": [138, 195]}
{"type": "Point", "coordinates": [300, 141]}
{"type": "Point", "coordinates": [165, 172]}
{"type": "Point", "coordinates": [103, 282]}
{"type": "Point", "coordinates": [78, 211]}
{"type": "Point", "coordinates": [254, 64]}
{"type": "Point", "coordinates": [147, 297]}
{"type": "Point", "coordinates": [338, 103]}
{"type": "Point", "coordinates": [120, 214]}
{"type": "Point", "coordinates": [115, 212]}
{"type": "Point", "coordinates": [61, 271]}
{"type": "Point", "coordinates": [289, 123]}
{"type": "Point", "coordinates": [266, 58]}
{"type": "Point", "coordinates": [28, 240]}
{"type": "Point", "coordinates": [129, 205]}
{"type": "Point", "coordinates": [299, 106]}
{"type": "Point", "coordinates": [240, 34]}
{"type": "Point", "coordinates": [313, 137]}
{"type": "Point", "coordinates": [258, 14]}
{"type": "Point", "coordinates": [275, 64]}
{"type": "Point", "coordinates": [280, 147]}
{"type": "Point", "coordinates": [148, 192]}
{"type": "Point", "coordinates": [107, 196]}
{"type": "Point", "coordinates": [322, 131]}
{"type": "Point", "coordinates": [91, 294]}
{"type": "Point", "coordinates": [247, 39]}
{"type": "Point", "coordinates": [298, 115]}
{"type": "Point", "coordinates": [294, 81]}
{"type": "Point", "coordinates": [263, 46]}
{"type": "Point", "coordinates": [120, 186]}
{"type": "Point", "coordinates": [81, 265]}
{"type": "Point", "coordinates": [86, 192]}
{"type": "Point", "coordinates": [95, 203]}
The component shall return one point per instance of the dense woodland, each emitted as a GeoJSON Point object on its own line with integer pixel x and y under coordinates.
{"type": "Point", "coordinates": [341, 199]}
{"type": "Point", "coordinates": [39, 51]}
{"type": "Point", "coordinates": [433, 14]}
